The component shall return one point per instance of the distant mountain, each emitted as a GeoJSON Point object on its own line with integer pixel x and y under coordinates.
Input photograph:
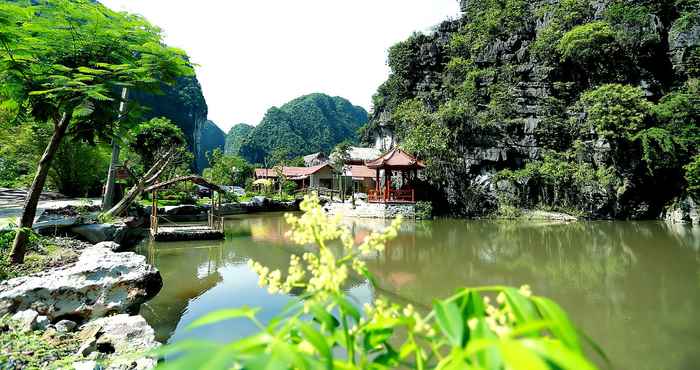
{"type": "Point", "coordinates": [308, 124]}
{"type": "Point", "coordinates": [235, 137]}
{"type": "Point", "coordinates": [211, 137]}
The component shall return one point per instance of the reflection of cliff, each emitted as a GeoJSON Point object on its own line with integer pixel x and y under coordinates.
{"type": "Point", "coordinates": [613, 278]}
{"type": "Point", "coordinates": [188, 271]}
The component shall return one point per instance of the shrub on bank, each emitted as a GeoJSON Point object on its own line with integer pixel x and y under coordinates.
{"type": "Point", "coordinates": [486, 328]}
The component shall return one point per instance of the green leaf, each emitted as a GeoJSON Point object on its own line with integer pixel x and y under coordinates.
{"type": "Point", "coordinates": [92, 71]}
{"type": "Point", "coordinates": [450, 321]}
{"type": "Point", "coordinates": [558, 353]}
{"type": "Point", "coordinates": [376, 336]}
{"type": "Point", "coordinates": [518, 357]}
{"type": "Point", "coordinates": [329, 322]}
{"type": "Point", "coordinates": [318, 341]}
{"type": "Point", "coordinates": [389, 359]}
{"type": "Point", "coordinates": [348, 308]}
{"type": "Point", "coordinates": [522, 308]}
{"type": "Point", "coordinates": [561, 326]}
{"type": "Point", "coordinates": [488, 356]}
{"type": "Point", "coordinates": [221, 315]}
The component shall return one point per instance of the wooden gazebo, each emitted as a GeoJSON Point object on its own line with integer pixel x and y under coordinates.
{"type": "Point", "coordinates": [215, 222]}
{"type": "Point", "coordinates": [399, 162]}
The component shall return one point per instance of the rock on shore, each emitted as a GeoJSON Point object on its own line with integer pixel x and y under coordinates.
{"type": "Point", "coordinates": [100, 283]}
{"type": "Point", "coordinates": [121, 338]}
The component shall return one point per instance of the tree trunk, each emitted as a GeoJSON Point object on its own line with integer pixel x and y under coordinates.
{"type": "Point", "coordinates": [148, 179]}
{"type": "Point", "coordinates": [108, 196]}
{"type": "Point", "coordinates": [19, 246]}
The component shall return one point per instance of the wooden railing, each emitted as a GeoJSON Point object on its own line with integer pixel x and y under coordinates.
{"type": "Point", "coordinates": [394, 196]}
{"type": "Point", "coordinates": [216, 223]}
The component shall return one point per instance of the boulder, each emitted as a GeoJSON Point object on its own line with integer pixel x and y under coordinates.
{"type": "Point", "coordinates": [684, 210]}
{"type": "Point", "coordinates": [45, 225]}
{"type": "Point", "coordinates": [186, 209]}
{"type": "Point", "coordinates": [96, 233]}
{"type": "Point", "coordinates": [101, 282]}
{"type": "Point", "coordinates": [25, 320]}
{"type": "Point", "coordinates": [259, 201]}
{"type": "Point", "coordinates": [65, 326]}
{"type": "Point", "coordinates": [119, 233]}
{"type": "Point", "coordinates": [42, 322]}
{"type": "Point", "coordinates": [118, 337]}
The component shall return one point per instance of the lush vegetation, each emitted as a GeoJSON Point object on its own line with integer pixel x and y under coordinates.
{"type": "Point", "coordinates": [72, 76]}
{"type": "Point", "coordinates": [235, 137]}
{"type": "Point", "coordinates": [608, 93]}
{"type": "Point", "coordinates": [305, 125]}
{"type": "Point", "coordinates": [228, 169]}
{"type": "Point", "coordinates": [152, 137]}
{"type": "Point", "coordinates": [33, 350]}
{"type": "Point", "coordinates": [480, 328]}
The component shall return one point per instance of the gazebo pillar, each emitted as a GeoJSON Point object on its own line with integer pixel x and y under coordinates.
{"type": "Point", "coordinates": [376, 183]}
{"type": "Point", "coordinates": [387, 180]}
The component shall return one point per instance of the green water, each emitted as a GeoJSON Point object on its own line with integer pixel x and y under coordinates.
{"type": "Point", "coordinates": [634, 287]}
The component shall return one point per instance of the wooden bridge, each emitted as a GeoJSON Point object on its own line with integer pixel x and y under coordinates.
{"type": "Point", "coordinates": [171, 231]}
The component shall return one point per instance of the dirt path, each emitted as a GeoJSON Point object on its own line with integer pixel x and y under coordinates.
{"type": "Point", "coordinates": [11, 202]}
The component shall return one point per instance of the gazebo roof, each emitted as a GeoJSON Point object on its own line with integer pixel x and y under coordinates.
{"type": "Point", "coordinates": [396, 158]}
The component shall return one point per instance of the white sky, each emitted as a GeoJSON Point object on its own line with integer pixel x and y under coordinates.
{"type": "Point", "coordinates": [256, 54]}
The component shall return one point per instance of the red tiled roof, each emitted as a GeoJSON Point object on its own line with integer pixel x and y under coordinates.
{"type": "Point", "coordinates": [396, 158]}
{"type": "Point", "coordinates": [290, 172]}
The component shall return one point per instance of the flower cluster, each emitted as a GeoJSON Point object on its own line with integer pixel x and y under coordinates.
{"type": "Point", "coordinates": [500, 318]}
{"type": "Point", "coordinates": [382, 311]}
{"type": "Point", "coordinates": [325, 272]}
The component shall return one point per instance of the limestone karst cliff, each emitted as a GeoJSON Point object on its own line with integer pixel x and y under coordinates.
{"type": "Point", "coordinates": [591, 106]}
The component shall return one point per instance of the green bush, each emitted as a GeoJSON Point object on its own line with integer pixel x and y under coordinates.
{"type": "Point", "coordinates": [289, 187]}
{"type": "Point", "coordinates": [424, 210]}
{"type": "Point", "coordinates": [692, 176]}
{"type": "Point", "coordinates": [616, 111]}
{"type": "Point", "coordinates": [477, 328]}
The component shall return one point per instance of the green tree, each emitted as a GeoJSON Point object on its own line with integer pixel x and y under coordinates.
{"type": "Point", "coordinates": [154, 136]}
{"type": "Point", "coordinates": [616, 111]}
{"type": "Point", "coordinates": [227, 169]}
{"type": "Point", "coordinates": [692, 176]}
{"type": "Point", "coordinates": [66, 62]}
{"type": "Point", "coordinates": [593, 47]}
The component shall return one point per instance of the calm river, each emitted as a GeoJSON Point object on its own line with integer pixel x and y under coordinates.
{"type": "Point", "coordinates": [634, 287]}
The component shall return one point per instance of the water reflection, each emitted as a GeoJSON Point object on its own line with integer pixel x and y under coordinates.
{"type": "Point", "coordinates": [632, 286]}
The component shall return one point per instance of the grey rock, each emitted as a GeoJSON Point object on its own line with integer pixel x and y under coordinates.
{"type": "Point", "coordinates": [42, 322]}
{"type": "Point", "coordinates": [99, 283]}
{"type": "Point", "coordinates": [87, 347]}
{"type": "Point", "coordinates": [231, 209]}
{"type": "Point", "coordinates": [65, 326]}
{"type": "Point", "coordinates": [95, 233]}
{"type": "Point", "coordinates": [25, 320]}
{"type": "Point", "coordinates": [681, 41]}
{"type": "Point", "coordinates": [684, 210]}
{"type": "Point", "coordinates": [186, 209]}
{"type": "Point", "coordinates": [112, 246]}
{"type": "Point", "coordinates": [258, 201]}
{"type": "Point", "coordinates": [50, 223]}
{"type": "Point", "coordinates": [120, 335]}
{"type": "Point", "coordinates": [87, 365]}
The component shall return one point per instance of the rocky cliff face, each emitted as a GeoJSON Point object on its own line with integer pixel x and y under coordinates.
{"type": "Point", "coordinates": [184, 105]}
{"type": "Point", "coordinates": [510, 88]}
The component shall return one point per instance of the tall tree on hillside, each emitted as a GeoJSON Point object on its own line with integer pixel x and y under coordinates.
{"type": "Point", "coordinates": [66, 62]}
